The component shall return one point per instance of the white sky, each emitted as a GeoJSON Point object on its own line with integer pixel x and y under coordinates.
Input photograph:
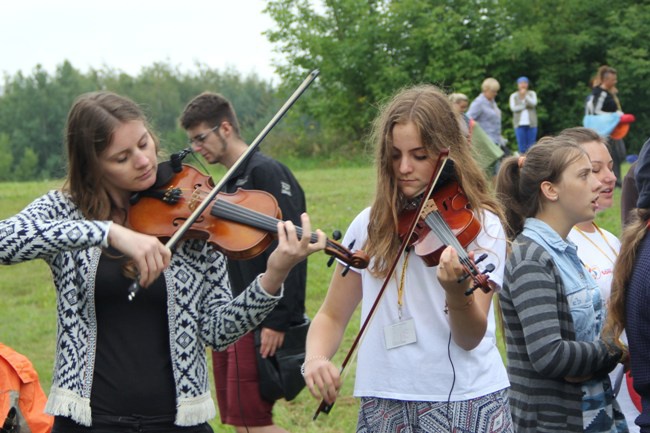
{"type": "Point", "coordinates": [130, 34]}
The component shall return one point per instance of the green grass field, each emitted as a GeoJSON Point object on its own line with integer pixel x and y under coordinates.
{"type": "Point", "coordinates": [334, 197]}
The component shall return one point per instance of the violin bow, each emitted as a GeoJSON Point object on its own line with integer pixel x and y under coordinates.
{"type": "Point", "coordinates": [440, 163]}
{"type": "Point", "coordinates": [203, 205]}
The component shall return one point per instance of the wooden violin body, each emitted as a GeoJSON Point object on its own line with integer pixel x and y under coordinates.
{"type": "Point", "coordinates": [241, 225]}
{"type": "Point", "coordinates": [447, 205]}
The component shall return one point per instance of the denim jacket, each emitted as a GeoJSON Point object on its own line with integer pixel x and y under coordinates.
{"type": "Point", "coordinates": [581, 289]}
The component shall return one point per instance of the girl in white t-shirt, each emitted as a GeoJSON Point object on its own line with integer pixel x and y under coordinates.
{"type": "Point", "coordinates": [428, 360]}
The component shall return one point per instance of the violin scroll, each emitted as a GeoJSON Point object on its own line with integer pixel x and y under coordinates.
{"type": "Point", "coordinates": [358, 259]}
{"type": "Point", "coordinates": [481, 280]}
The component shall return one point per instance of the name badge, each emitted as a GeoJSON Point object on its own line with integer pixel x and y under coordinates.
{"type": "Point", "coordinates": [400, 334]}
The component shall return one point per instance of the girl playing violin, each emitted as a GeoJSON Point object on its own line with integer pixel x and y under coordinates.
{"type": "Point", "coordinates": [124, 364]}
{"type": "Point", "coordinates": [429, 360]}
{"type": "Point", "coordinates": [552, 307]}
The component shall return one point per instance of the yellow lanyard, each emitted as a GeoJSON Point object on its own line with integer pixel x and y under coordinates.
{"type": "Point", "coordinates": [596, 245]}
{"type": "Point", "coordinates": [400, 287]}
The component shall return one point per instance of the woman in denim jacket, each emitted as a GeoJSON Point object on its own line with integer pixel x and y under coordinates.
{"type": "Point", "coordinates": [552, 309]}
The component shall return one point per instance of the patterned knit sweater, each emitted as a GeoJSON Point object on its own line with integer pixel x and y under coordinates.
{"type": "Point", "coordinates": [201, 310]}
{"type": "Point", "coordinates": [541, 346]}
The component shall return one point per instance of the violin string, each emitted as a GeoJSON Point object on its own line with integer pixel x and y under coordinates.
{"type": "Point", "coordinates": [240, 214]}
{"type": "Point", "coordinates": [259, 220]}
{"type": "Point", "coordinates": [440, 227]}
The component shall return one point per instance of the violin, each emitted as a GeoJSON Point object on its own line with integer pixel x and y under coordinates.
{"type": "Point", "coordinates": [241, 225]}
{"type": "Point", "coordinates": [446, 219]}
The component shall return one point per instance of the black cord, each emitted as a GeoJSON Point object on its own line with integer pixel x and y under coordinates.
{"type": "Point", "coordinates": [196, 158]}
{"type": "Point", "coordinates": [453, 382]}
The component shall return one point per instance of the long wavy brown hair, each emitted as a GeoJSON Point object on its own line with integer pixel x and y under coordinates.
{"type": "Point", "coordinates": [429, 109]}
{"type": "Point", "coordinates": [632, 236]}
{"type": "Point", "coordinates": [91, 124]}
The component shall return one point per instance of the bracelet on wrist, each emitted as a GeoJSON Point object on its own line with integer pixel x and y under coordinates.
{"type": "Point", "coordinates": [310, 359]}
{"type": "Point", "coordinates": [465, 306]}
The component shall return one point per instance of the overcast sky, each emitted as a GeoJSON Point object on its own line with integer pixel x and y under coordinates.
{"type": "Point", "coordinates": [130, 34]}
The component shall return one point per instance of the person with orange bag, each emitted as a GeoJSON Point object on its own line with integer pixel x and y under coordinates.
{"type": "Point", "coordinates": [22, 400]}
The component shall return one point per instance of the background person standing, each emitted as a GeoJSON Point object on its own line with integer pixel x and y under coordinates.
{"type": "Point", "coordinates": [604, 99]}
{"type": "Point", "coordinates": [524, 114]}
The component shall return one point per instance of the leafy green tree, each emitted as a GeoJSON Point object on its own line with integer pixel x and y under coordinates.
{"type": "Point", "coordinates": [6, 160]}
{"type": "Point", "coordinates": [27, 166]}
{"type": "Point", "coordinates": [367, 49]}
{"type": "Point", "coordinates": [33, 109]}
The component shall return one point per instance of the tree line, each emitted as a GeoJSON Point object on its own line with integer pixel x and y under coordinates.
{"type": "Point", "coordinates": [365, 50]}
{"type": "Point", "coordinates": [33, 109]}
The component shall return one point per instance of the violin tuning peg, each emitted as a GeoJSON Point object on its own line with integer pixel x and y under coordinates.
{"type": "Point", "coordinates": [463, 277]}
{"type": "Point", "coordinates": [481, 258]}
{"type": "Point", "coordinates": [489, 268]}
{"type": "Point", "coordinates": [351, 244]}
{"type": "Point", "coordinates": [330, 261]}
{"type": "Point", "coordinates": [345, 271]}
{"type": "Point", "coordinates": [470, 290]}
{"type": "Point", "coordinates": [336, 235]}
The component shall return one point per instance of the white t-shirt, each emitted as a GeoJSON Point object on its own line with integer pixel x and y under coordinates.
{"type": "Point", "coordinates": [596, 253]}
{"type": "Point", "coordinates": [597, 256]}
{"type": "Point", "coordinates": [422, 371]}
{"type": "Point", "coordinates": [524, 120]}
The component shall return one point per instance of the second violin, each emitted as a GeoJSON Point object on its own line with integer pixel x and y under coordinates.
{"type": "Point", "coordinates": [447, 219]}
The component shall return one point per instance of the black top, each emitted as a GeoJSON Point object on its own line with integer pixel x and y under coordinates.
{"type": "Point", "coordinates": [133, 372]}
{"type": "Point", "coordinates": [603, 100]}
{"type": "Point", "coordinates": [260, 172]}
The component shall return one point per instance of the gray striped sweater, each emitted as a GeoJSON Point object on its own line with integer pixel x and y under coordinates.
{"type": "Point", "coordinates": [541, 346]}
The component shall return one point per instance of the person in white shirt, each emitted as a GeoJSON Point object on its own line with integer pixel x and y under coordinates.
{"type": "Point", "coordinates": [523, 105]}
{"type": "Point", "coordinates": [429, 359]}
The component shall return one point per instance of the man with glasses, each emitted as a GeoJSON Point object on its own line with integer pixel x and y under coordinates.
{"type": "Point", "coordinates": [213, 131]}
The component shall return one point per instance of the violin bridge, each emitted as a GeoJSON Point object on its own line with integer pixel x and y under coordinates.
{"type": "Point", "coordinates": [429, 207]}
{"type": "Point", "coordinates": [194, 200]}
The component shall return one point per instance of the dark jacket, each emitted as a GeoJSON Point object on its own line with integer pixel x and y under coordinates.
{"type": "Point", "coordinates": [261, 172]}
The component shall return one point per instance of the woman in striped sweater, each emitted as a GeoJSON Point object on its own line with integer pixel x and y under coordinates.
{"type": "Point", "coordinates": [551, 305]}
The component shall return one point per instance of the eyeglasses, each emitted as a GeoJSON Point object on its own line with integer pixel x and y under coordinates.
{"type": "Point", "coordinates": [200, 139]}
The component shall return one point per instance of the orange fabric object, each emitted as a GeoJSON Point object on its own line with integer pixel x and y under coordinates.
{"type": "Point", "coordinates": [620, 131]}
{"type": "Point", "coordinates": [19, 387]}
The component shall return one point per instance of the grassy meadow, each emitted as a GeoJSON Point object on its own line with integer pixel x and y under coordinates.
{"type": "Point", "coordinates": [334, 197]}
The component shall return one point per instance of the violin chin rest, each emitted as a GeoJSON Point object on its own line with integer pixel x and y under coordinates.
{"type": "Point", "coordinates": [164, 174]}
